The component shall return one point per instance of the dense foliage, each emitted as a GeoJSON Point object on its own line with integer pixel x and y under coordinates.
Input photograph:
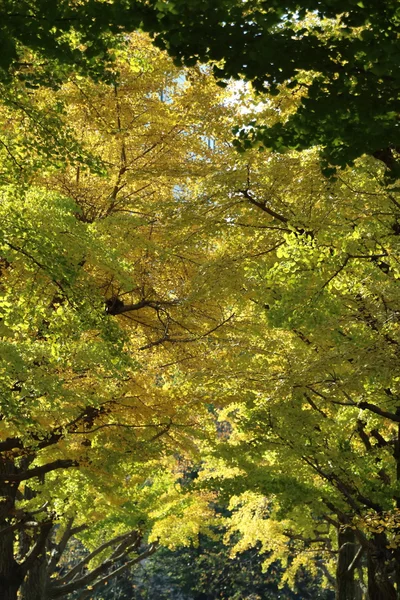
{"type": "Point", "coordinates": [168, 302]}
{"type": "Point", "coordinates": [97, 303]}
{"type": "Point", "coordinates": [340, 61]}
{"type": "Point", "coordinates": [207, 572]}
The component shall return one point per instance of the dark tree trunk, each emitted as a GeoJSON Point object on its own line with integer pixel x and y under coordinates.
{"type": "Point", "coordinates": [35, 581]}
{"type": "Point", "coordinates": [345, 584]}
{"type": "Point", "coordinates": [396, 454]}
{"type": "Point", "coordinates": [34, 585]}
{"type": "Point", "coordinates": [9, 591]}
{"type": "Point", "coordinates": [380, 570]}
{"type": "Point", "coordinates": [10, 575]}
{"type": "Point", "coordinates": [397, 569]}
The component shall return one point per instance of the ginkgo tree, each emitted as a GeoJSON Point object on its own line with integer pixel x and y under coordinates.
{"type": "Point", "coordinates": [100, 318]}
{"type": "Point", "coordinates": [310, 367]}
{"type": "Point", "coordinates": [342, 58]}
{"type": "Point", "coordinates": [151, 278]}
{"type": "Point", "coordinates": [100, 525]}
{"type": "Point", "coordinates": [307, 367]}
{"type": "Point", "coordinates": [294, 255]}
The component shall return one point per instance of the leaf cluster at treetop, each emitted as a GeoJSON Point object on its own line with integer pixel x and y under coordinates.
{"type": "Point", "coordinates": [340, 59]}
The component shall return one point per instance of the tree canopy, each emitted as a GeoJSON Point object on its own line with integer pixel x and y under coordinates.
{"type": "Point", "coordinates": [172, 306]}
{"type": "Point", "coordinates": [311, 387]}
{"type": "Point", "coordinates": [99, 315]}
{"type": "Point", "coordinates": [339, 60]}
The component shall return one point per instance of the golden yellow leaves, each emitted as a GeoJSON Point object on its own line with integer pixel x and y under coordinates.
{"type": "Point", "coordinates": [387, 522]}
{"type": "Point", "coordinates": [181, 517]}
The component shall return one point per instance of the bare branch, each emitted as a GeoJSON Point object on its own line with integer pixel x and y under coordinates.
{"type": "Point", "coordinates": [364, 437]}
{"type": "Point", "coordinates": [166, 338]}
{"type": "Point", "coordinates": [263, 206]}
{"type": "Point", "coordinates": [59, 591]}
{"type": "Point", "coordinates": [60, 547]}
{"type": "Point", "coordinates": [324, 569]}
{"type": "Point", "coordinates": [338, 270]}
{"type": "Point", "coordinates": [379, 438]}
{"type": "Point", "coordinates": [314, 406]}
{"type": "Point", "coordinates": [115, 306]}
{"type": "Point", "coordinates": [356, 560]}
{"type": "Point", "coordinates": [123, 425]}
{"type": "Point", "coordinates": [379, 411]}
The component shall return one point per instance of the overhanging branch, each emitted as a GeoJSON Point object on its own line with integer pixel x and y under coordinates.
{"type": "Point", "coordinates": [39, 471]}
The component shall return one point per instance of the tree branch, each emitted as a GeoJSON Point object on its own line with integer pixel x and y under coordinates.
{"type": "Point", "coordinates": [356, 560]}
{"type": "Point", "coordinates": [166, 338]}
{"type": "Point", "coordinates": [38, 548]}
{"type": "Point", "coordinates": [38, 471]}
{"type": "Point", "coordinates": [88, 593]}
{"type": "Point", "coordinates": [379, 438]}
{"type": "Point", "coordinates": [76, 569]}
{"type": "Point", "coordinates": [263, 206]}
{"type": "Point", "coordinates": [60, 547]}
{"type": "Point", "coordinates": [314, 406]}
{"type": "Point", "coordinates": [378, 411]}
{"type": "Point", "coordinates": [338, 270]}
{"type": "Point", "coordinates": [59, 591]}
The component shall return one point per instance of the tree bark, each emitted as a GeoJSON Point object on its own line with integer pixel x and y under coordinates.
{"type": "Point", "coordinates": [380, 567]}
{"type": "Point", "coordinates": [345, 584]}
{"type": "Point", "coordinates": [35, 583]}
{"type": "Point", "coordinates": [9, 591]}
{"type": "Point", "coordinates": [10, 575]}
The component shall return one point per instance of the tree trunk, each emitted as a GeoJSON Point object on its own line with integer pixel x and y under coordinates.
{"type": "Point", "coordinates": [396, 554]}
{"type": "Point", "coordinates": [361, 587]}
{"type": "Point", "coordinates": [35, 581]}
{"type": "Point", "coordinates": [380, 567]}
{"type": "Point", "coordinates": [10, 575]}
{"type": "Point", "coordinates": [9, 591]}
{"type": "Point", "coordinates": [10, 579]}
{"type": "Point", "coordinates": [35, 584]}
{"type": "Point", "coordinates": [345, 584]}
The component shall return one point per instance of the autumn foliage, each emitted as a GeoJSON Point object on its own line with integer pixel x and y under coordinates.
{"type": "Point", "coordinates": [185, 326]}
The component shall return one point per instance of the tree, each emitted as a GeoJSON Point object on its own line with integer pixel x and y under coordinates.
{"type": "Point", "coordinates": [312, 344]}
{"type": "Point", "coordinates": [152, 278]}
{"type": "Point", "coordinates": [54, 576]}
{"type": "Point", "coordinates": [313, 384]}
{"type": "Point", "coordinates": [99, 316]}
{"type": "Point", "coordinates": [340, 61]}
{"type": "Point", "coordinates": [44, 42]}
